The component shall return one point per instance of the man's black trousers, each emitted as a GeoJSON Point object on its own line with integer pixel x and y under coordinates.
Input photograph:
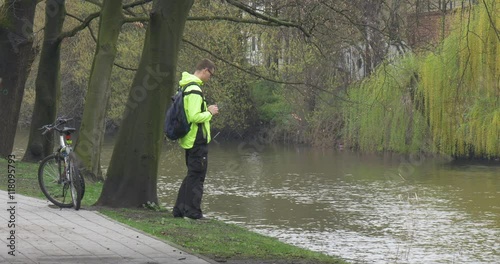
{"type": "Point", "coordinates": [188, 202]}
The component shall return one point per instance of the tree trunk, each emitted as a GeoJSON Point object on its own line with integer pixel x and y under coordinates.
{"type": "Point", "coordinates": [88, 146]}
{"type": "Point", "coordinates": [47, 84]}
{"type": "Point", "coordinates": [16, 57]}
{"type": "Point", "coordinates": [132, 174]}
{"type": "Point", "coordinates": [374, 44]}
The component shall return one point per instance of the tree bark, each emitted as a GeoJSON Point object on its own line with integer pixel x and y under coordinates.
{"type": "Point", "coordinates": [374, 44]}
{"type": "Point", "coordinates": [90, 139]}
{"type": "Point", "coordinates": [132, 175]}
{"type": "Point", "coordinates": [16, 57]}
{"type": "Point", "coordinates": [47, 84]}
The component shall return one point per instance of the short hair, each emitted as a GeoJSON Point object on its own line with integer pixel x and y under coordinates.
{"type": "Point", "coordinates": [205, 64]}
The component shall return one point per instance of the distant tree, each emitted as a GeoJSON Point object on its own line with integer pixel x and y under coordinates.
{"type": "Point", "coordinates": [16, 57]}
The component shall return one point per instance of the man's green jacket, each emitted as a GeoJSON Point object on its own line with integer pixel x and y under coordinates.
{"type": "Point", "coordinates": [194, 114]}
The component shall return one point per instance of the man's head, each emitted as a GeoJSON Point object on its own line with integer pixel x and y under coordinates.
{"type": "Point", "coordinates": [205, 70]}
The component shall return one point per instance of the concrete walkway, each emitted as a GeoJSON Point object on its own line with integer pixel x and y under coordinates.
{"type": "Point", "coordinates": [43, 234]}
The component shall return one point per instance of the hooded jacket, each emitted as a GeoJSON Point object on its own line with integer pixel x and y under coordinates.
{"type": "Point", "coordinates": [194, 113]}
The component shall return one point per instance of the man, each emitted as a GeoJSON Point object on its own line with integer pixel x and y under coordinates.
{"type": "Point", "coordinates": [195, 142]}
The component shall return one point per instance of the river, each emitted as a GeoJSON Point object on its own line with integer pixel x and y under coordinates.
{"type": "Point", "coordinates": [365, 208]}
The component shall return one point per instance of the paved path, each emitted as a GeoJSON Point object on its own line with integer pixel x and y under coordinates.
{"type": "Point", "coordinates": [50, 235]}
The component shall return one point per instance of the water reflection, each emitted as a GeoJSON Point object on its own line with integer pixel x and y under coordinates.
{"type": "Point", "coordinates": [365, 208]}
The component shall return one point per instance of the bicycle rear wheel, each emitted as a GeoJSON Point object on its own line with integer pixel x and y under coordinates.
{"type": "Point", "coordinates": [53, 183]}
{"type": "Point", "coordinates": [75, 185]}
{"type": "Point", "coordinates": [74, 160]}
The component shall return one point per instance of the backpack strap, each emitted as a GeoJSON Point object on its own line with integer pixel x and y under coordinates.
{"type": "Point", "coordinates": [190, 92]}
{"type": "Point", "coordinates": [193, 92]}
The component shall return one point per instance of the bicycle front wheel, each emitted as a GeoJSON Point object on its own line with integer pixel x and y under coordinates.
{"type": "Point", "coordinates": [53, 182]}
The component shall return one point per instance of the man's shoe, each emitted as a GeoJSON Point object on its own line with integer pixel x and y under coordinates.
{"type": "Point", "coordinates": [176, 215]}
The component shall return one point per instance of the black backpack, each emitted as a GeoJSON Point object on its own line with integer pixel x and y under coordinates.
{"type": "Point", "coordinates": [176, 124]}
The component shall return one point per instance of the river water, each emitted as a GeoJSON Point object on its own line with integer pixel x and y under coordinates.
{"type": "Point", "coordinates": [365, 208]}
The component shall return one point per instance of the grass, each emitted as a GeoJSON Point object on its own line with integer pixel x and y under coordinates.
{"type": "Point", "coordinates": [214, 239]}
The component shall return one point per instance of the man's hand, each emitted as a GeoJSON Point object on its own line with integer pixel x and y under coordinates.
{"type": "Point", "coordinates": [213, 109]}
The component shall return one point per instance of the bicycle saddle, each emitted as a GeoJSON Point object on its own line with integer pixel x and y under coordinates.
{"type": "Point", "coordinates": [68, 130]}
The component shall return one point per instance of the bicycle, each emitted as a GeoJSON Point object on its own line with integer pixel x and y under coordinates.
{"type": "Point", "coordinates": [58, 173]}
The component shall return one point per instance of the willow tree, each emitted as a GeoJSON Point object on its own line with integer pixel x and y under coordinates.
{"type": "Point", "coordinates": [460, 86]}
{"type": "Point", "coordinates": [132, 174]}
{"type": "Point", "coordinates": [47, 84]}
{"type": "Point", "coordinates": [88, 146]}
{"type": "Point", "coordinates": [16, 57]}
{"type": "Point", "coordinates": [381, 112]}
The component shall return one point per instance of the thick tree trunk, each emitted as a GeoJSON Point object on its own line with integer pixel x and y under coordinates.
{"type": "Point", "coordinates": [88, 146]}
{"type": "Point", "coordinates": [16, 57]}
{"type": "Point", "coordinates": [132, 175]}
{"type": "Point", "coordinates": [47, 83]}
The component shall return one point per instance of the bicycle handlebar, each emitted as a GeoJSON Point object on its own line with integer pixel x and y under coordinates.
{"type": "Point", "coordinates": [59, 121]}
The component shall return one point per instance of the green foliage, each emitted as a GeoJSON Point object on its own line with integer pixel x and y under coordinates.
{"type": "Point", "coordinates": [269, 100]}
{"type": "Point", "coordinates": [4, 20]}
{"type": "Point", "coordinates": [454, 108]}
{"type": "Point", "coordinates": [325, 123]}
{"type": "Point", "coordinates": [461, 86]}
{"type": "Point", "coordinates": [230, 87]}
{"type": "Point", "coordinates": [382, 114]}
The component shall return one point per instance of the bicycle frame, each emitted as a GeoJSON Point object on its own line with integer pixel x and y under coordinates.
{"type": "Point", "coordinates": [64, 151]}
{"type": "Point", "coordinates": [67, 174]}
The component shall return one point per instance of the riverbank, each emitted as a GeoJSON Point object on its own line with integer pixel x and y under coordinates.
{"type": "Point", "coordinates": [213, 239]}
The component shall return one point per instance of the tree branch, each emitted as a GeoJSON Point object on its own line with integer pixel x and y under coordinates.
{"type": "Point", "coordinates": [234, 19]}
{"type": "Point", "coordinates": [95, 40]}
{"type": "Point", "coordinates": [491, 19]}
{"type": "Point", "coordinates": [268, 18]}
{"type": "Point", "coordinates": [132, 5]}
{"type": "Point", "coordinates": [80, 27]}
{"type": "Point", "coordinates": [258, 75]}
{"type": "Point", "coordinates": [124, 67]}
{"type": "Point", "coordinates": [137, 3]}
{"type": "Point", "coordinates": [89, 28]}
{"type": "Point", "coordinates": [135, 19]}
{"type": "Point", "coordinates": [253, 73]}
{"type": "Point", "coordinates": [86, 21]}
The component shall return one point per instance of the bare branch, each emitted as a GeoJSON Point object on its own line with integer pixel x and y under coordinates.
{"type": "Point", "coordinates": [138, 3]}
{"type": "Point", "coordinates": [234, 19]}
{"type": "Point", "coordinates": [132, 5]}
{"type": "Point", "coordinates": [124, 67]}
{"type": "Point", "coordinates": [253, 73]}
{"type": "Point", "coordinates": [80, 27]}
{"type": "Point", "coordinates": [86, 21]}
{"type": "Point", "coordinates": [258, 75]}
{"type": "Point", "coordinates": [491, 19]}
{"type": "Point", "coordinates": [82, 21]}
{"type": "Point", "coordinates": [265, 17]}
{"type": "Point", "coordinates": [95, 40]}
{"type": "Point", "coordinates": [135, 19]}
